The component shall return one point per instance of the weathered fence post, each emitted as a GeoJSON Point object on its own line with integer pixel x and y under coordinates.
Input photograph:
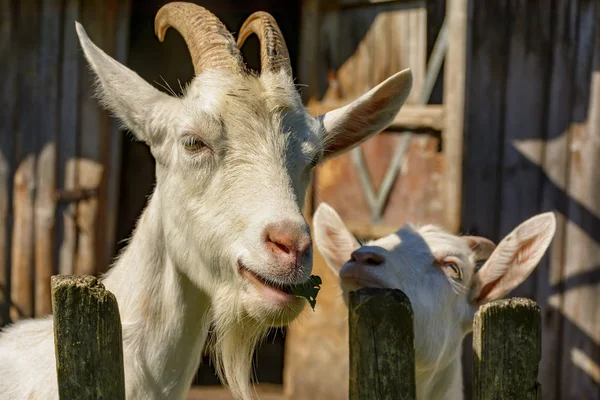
{"type": "Point", "coordinates": [382, 356]}
{"type": "Point", "coordinates": [88, 340]}
{"type": "Point", "coordinates": [507, 347]}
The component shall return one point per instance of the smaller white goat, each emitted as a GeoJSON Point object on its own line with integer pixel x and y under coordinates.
{"type": "Point", "coordinates": [438, 272]}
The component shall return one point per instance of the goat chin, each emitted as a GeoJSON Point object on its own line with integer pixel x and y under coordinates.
{"type": "Point", "coordinates": [232, 348]}
{"type": "Point", "coordinates": [236, 332]}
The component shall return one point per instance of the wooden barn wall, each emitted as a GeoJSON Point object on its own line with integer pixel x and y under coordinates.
{"type": "Point", "coordinates": [354, 49]}
{"type": "Point", "coordinates": [54, 141]}
{"type": "Point", "coordinates": [533, 145]}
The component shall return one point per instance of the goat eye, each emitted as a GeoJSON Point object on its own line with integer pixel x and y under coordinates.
{"type": "Point", "coordinates": [451, 269]}
{"type": "Point", "coordinates": [193, 143]}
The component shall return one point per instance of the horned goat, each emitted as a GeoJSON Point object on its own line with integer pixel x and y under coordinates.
{"type": "Point", "coordinates": [439, 273]}
{"type": "Point", "coordinates": [223, 235]}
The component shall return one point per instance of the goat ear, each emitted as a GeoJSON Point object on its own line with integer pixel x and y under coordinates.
{"type": "Point", "coordinates": [349, 126]}
{"type": "Point", "coordinates": [332, 238]}
{"type": "Point", "coordinates": [123, 92]}
{"type": "Point", "coordinates": [514, 259]}
{"type": "Point", "coordinates": [482, 247]}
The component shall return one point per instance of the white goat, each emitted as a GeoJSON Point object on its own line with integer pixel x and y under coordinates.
{"type": "Point", "coordinates": [438, 272]}
{"type": "Point", "coordinates": [223, 235]}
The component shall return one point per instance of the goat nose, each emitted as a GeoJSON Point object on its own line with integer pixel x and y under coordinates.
{"type": "Point", "coordinates": [367, 256]}
{"type": "Point", "coordinates": [288, 241]}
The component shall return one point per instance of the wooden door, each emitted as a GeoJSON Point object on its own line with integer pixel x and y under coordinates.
{"type": "Point", "coordinates": [401, 175]}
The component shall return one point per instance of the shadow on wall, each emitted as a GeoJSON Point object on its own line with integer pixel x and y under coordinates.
{"type": "Point", "coordinates": [533, 109]}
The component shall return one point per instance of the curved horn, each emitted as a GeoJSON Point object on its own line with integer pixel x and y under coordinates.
{"type": "Point", "coordinates": [210, 44]}
{"type": "Point", "coordinates": [274, 54]}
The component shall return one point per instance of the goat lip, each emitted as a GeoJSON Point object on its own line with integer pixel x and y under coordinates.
{"type": "Point", "coordinates": [275, 294]}
{"type": "Point", "coordinates": [361, 283]}
{"type": "Point", "coordinates": [352, 278]}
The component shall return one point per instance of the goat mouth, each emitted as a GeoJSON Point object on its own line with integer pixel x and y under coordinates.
{"type": "Point", "coordinates": [354, 278]}
{"type": "Point", "coordinates": [361, 283]}
{"type": "Point", "coordinates": [275, 292]}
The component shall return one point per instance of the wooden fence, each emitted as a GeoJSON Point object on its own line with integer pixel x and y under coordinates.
{"type": "Point", "coordinates": [507, 345]}
{"type": "Point", "coordinates": [88, 339]}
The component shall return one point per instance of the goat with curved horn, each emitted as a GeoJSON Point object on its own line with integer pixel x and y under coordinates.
{"type": "Point", "coordinates": [274, 54]}
{"type": "Point", "coordinates": [210, 44]}
{"type": "Point", "coordinates": [222, 241]}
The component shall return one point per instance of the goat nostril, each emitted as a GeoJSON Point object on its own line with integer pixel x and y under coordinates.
{"type": "Point", "coordinates": [367, 257]}
{"type": "Point", "coordinates": [280, 246]}
{"type": "Point", "coordinates": [287, 242]}
{"type": "Point", "coordinates": [374, 260]}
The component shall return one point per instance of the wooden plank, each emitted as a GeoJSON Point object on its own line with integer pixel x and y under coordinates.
{"type": "Point", "coordinates": [382, 354]}
{"type": "Point", "coordinates": [367, 3]}
{"type": "Point", "coordinates": [88, 339]}
{"type": "Point", "coordinates": [309, 49]}
{"type": "Point", "coordinates": [365, 47]}
{"type": "Point", "coordinates": [486, 103]}
{"type": "Point", "coordinates": [554, 163]}
{"type": "Point", "coordinates": [416, 195]}
{"type": "Point", "coordinates": [94, 127]}
{"type": "Point", "coordinates": [410, 117]}
{"type": "Point", "coordinates": [455, 71]}
{"type": "Point", "coordinates": [436, 15]}
{"type": "Point", "coordinates": [507, 350]}
{"type": "Point", "coordinates": [27, 129]}
{"type": "Point", "coordinates": [580, 289]}
{"type": "Point", "coordinates": [68, 138]}
{"type": "Point", "coordinates": [526, 88]}
{"type": "Point", "coordinates": [99, 206]}
{"type": "Point", "coordinates": [370, 231]}
{"type": "Point", "coordinates": [45, 201]}
{"type": "Point", "coordinates": [485, 122]}
{"type": "Point", "coordinates": [22, 241]}
{"type": "Point", "coordinates": [113, 159]}
{"type": "Point", "coordinates": [8, 89]}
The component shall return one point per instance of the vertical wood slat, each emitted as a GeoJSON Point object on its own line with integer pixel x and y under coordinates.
{"type": "Point", "coordinates": [45, 203]}
{"type": "Point", "coordinates": [113, 159]}
{"type": "Point", "coordinates": [454, 103]}
{"type": "Point", "coordinates": [94, 127]}
{"type": "Point", "coordinates": [486, 103]}
{"type": "Point", "coordinates": [67, 145]}
{"type": "Point", "coordinates": [88, 339]}
{"type": "Point", "coordinates": [382, 355]}
{"type": "Point", "coordinates": [28, 21]}
{"type": "Point", "coordinates": [580, 289]}
{"type": "Point", "coordinates": [8, 84]}
{"type": "Point", "coordinates": [555, 156]}
{"type": "Point", "coordinates": [100, 245]}
{"type": "Point", "coordinates": [309, 48]}
{"type": "Point", "coordinates": [507, 350]}
{"type": "Point", "coordinates": [526, 91]}
{"type": "Point", "coordinates": [487, 100]}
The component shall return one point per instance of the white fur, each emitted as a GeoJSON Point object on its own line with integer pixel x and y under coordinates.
{"type": "Point", "coordinates": [412, 260]}
{"type": "Point", "coordinates": [179, 276]}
